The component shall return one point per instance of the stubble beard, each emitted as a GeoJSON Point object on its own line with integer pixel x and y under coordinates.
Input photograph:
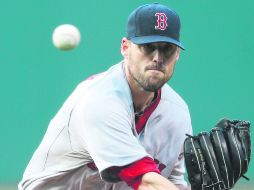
{"type": "Point", "coordinates": [146, 83]}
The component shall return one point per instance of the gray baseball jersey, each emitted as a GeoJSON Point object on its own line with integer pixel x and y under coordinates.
{"type": "Point", "coordinates": [97, 124]}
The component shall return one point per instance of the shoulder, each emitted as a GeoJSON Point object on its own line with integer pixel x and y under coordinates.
{"type": "Point", "coordinates": [174, 110]}
{"type": "Point", "coordinates": [170, 96]}
{"type": "Point", "coordinates": [106, 90]}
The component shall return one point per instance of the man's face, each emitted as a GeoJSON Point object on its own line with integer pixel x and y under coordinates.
{"type": "Point", "coordinates": [150, 65]}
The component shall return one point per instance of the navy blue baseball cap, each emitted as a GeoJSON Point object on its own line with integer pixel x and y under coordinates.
{"type": "Point", "coordinates": [154, 23]}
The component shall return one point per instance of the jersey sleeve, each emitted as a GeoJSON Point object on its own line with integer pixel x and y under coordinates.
{"type": "Point", "coordinates": [177, 175]}
{"type": "Point", "coordinates": [104, 128]}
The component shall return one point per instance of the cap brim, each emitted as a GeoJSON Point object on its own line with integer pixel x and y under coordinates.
{"type": "Point", "coordinates": [153, 39]}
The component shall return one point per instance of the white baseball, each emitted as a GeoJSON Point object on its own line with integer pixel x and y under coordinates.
{"type": "Point", "coordinates": [66, 37]}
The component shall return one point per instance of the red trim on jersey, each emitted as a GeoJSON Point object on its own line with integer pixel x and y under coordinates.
{"type": "Point", "coordinates": [141, 121]}
{"type": "Point", "coordinates": [132, 173]}
{"type": "Point", "coordinates": [92, 166]}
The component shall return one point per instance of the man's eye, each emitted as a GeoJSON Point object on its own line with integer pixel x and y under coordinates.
{"type": "Point", "coordinates": [168, 47]}
{"type": "Point", "coordinates": [149, 48]}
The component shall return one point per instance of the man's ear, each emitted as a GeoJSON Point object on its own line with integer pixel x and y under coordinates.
{"type": "Point", "coordinates": [178, 53]}
{"type": "Point", "coordinates": [124, 47]}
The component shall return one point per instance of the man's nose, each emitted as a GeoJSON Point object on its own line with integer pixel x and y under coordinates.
{"type": "Point", "coordinates": [158, 56]}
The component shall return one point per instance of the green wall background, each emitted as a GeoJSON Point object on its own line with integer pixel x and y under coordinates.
{"type": "Point", "coordinates": [214, 74]}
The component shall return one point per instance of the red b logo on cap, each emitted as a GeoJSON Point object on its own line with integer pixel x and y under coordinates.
{"type": "Point", "coordinates": [161, 21]}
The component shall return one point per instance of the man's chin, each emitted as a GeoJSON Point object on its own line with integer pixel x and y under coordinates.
{"type": "Point", "coordinates": [152, 88]}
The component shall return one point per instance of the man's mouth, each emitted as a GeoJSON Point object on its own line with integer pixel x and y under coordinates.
{"type": "Point", "coordinates": [155, 68]}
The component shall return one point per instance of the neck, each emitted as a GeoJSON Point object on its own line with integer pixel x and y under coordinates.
{"type": "Point", "coordinates": [141, 98]}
